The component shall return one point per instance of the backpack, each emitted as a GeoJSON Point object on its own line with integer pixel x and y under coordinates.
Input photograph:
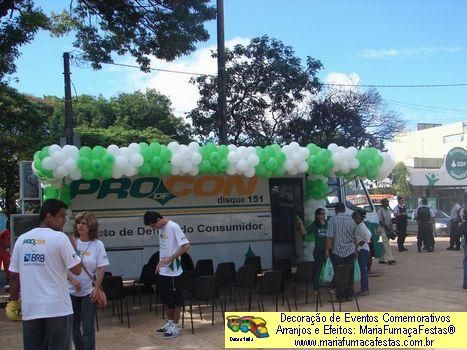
{"type": "Point", "coordinates": [423, 214]}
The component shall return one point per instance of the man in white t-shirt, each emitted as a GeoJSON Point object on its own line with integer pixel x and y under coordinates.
{"type": "Point", "coordinates": [40, 261]}
{"type": "Point", "coordinates": [173, 244]}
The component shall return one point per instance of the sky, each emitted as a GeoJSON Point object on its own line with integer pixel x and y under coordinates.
{"type": "Point", "coordinates": [417, 42]}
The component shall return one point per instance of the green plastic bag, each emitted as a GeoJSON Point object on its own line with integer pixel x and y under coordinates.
{"type": "Point", "coordinates": [327, 272]}
{"type": "Point", "coordinates": [356, 272]}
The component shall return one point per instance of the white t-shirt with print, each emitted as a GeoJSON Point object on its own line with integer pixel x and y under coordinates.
{"type": "Point", "coordinates": [93, 255]}
{"type": "Point", "coordinates": [363, 234]}
{"type": "Point", "coordinates": [171, 238]}
{"type": "Point", "coordinates": [42, 257]}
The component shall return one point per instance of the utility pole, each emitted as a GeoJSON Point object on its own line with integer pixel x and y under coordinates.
{"type": "Point", "coordinates": [68, 105]}
{"type": "Point", "coordinates": [221, 102]}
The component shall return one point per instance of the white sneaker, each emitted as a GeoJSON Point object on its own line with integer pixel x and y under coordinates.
{"type": "Point", "coordinates": [164, 328]}
{"type": "Point", "coordinates": [172, 332]}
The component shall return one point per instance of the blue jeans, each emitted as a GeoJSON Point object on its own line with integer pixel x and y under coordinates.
{"type": "Point", "coordinates": [464, 244]}
{"type": "Point", "coordinates": [84, 314]}
{"type": "Point", "coordinates": [363, 255]}
{"type": "Point", "coordinates": [48, 333]}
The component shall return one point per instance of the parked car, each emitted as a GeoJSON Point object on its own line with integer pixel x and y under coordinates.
{"type": "Point", "coordinates": [442, 223]}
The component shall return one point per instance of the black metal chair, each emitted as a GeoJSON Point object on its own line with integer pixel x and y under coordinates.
{"type": "Point", "coordinates": [340, 282]}
{"type": "Point", "coordinates": [303, 276]}
{"type": "Point", "coordinates": [226, 280]}
{"type": "Point", "coordinates": [204, 290]}
{"type": "Point", "coordinates": [113, 288]}
{"type": "Point", "coordinates": [204, 267]}
{"type": "Point", "coordinates": [255, 261]}
{"type": "Point", "coordinates": [285, 266]}
{"type": "Point", "coordinates": [246, 279]}
{"type": "Point", "coordinates": [271, 284]}
{"type": "Point", "coordinates": [147, 282]}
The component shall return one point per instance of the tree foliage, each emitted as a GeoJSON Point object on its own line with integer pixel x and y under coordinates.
{"type": "Point", "coordinates": [265, 82]}
{"type": "Point", "coordinates": [347, 118]}
{"type": "Point", "coordinates": [401, 179]}
{"type": "Point", "coordinates": [19, 22]}
{"type": "Point", "coordinates": [120, 136]}
{"type": "Point", "coordinates": [165, 29]}
{"type": "Point", "coordinates": [136, 111]}
{"type": "Point", "coordinates": [23, 129]}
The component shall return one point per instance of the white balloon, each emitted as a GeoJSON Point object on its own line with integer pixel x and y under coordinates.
{"type": "Point", "coordinates": [194, 171]}
{"type": "Point", "coordinates": [231, 170]}
{"type": "Point", "coordinates": [302, 167]}
{"type": "Point", "coordinates": [120, 163]}
{"type": "Point", "coordinates": [304, 153]}
{"type": "Point", "coordinates": [124, 151]}
{"type": "Point", "coordinates": [250, 172]}
{"type": "Point", "coordinates": [288, 164]}
{"type": "Point", "coordinates": [253, 160]}
{"type": "Point", "coordinates": [232, 147]}
{"type": "Point", "coordinates": [332, 147]}
{"type": "Point", "coordinates": [173, 146]}
{"type": "Point", "coordinates": [294, 145]}
{"type": "Point", "coordinates": [233, 157]}
{"type": "Point", "coordinates": [354, 163]}
{"type": "Point", "coordinates": [75, 175]}
{"type": "Point", "coordinates": [175, 170]}
{"type": "Point", "coordinates": [58, 157]}
{"type": "Point", "coordinates": [60, 171]}
{"type": "Point", "coordinates": [48, 163]}
{"type": "Point", "coordinates": [250, 150]}
{"type": "Point", "coordinates": [176, 160]}
{"type": "Point", "coordinates": [113, 149]}
{"type": "Point", "coordinates": [293, 171]}
{"type": "Point", "coordinates": [54, 148]}
{"type": "Point", "coordinates": [134, 148]}
{"type": "Point", "coordinates": [70, 165]}
{"type": "Point", "coordinates": [137, 160]}
{"type": "Point", "coordinates": [117, 173]}
{"type": "Point", "coordinates": [242, 165]}
{"type": "Point", "coordinates": [194, 146]}
{"type": "Point", "coordinates": [196, 158]}
{"type": "Point", "coordinates": [187, 167]}
{"type": "Point", "coordinates": [129, 171]}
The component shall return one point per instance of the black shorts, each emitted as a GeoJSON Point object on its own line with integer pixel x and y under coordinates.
{"type": "Point", "coordinates": [171, 290]}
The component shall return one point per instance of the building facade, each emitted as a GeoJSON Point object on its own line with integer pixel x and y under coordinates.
{"type": "Point", "coordinates": [436, 157]}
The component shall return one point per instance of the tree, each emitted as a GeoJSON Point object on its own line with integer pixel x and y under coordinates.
{"type": "Point", "coordinates": [165, 29]}
{"type": "Point", "coordinates": [347, 118]}
{"type": "Point", "coordinates": [265, 82]}
{"type": "Point", "coordinates": [135, 111]}
{"type": "Point", "coordinates": [19, 22]}
{"type": "Point", "coordinates": [401, 180]}
{"type": "Point", "coordinates": [23, 130]}
{"type": "Point", "coordinates": [120, 136]}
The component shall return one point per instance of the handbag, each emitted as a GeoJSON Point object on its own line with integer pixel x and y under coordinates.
{"type": "Point", "coordinates": [101, 298]}
{"type": "Point", "coordinates": [391, 234]}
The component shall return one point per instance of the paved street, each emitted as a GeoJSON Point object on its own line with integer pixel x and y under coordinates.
{"type": "Point", "coordinates": [418, 282]}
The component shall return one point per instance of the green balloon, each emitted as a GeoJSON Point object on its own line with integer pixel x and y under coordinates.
{"type": "Point", "coordinates": [223, 165]}
{"type": "Point", "coordinates": [271, 164]}
{"type": "Point", "coordinates": [214, 158]}
{"type": "Point", "coordinates": [43, 154]}
{"type": "Point", "coordinates": [98, 152]}
{"type": "Point", "coordinates": [205, 166]}
{"type": "Point", "coordinates": [166, 169]}
{"type": "Point", "coordinates": [147, 154]}
{"type": "Point", "coordinates": [106, 173]}
{"type": "Point", "coordinates": [83, 163]}
{"type": "Point", "coordinates": [155, 148]}
{"type": "Point", "coordinates": [165, 154]}
{"type": "Point", "coordinates": [144, 169]}
{"type": "Point", "coordinates": [156, 162]}
{"type": "Point", "coordinates": [96, 165]}
{"type": "Point", "coordinates": [260, 170]}
{"type": "Point", "coordinates": [85, 151]}
{"type": "Point", "coordinates": [88, 174]}
{"type": "Point", "coordinates": [108, 160]}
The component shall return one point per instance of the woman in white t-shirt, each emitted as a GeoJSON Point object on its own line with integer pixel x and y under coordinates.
{"type": "Point", "coordinates": [94, 259]}
{"type": "Point", "coordinates": [363, 249]}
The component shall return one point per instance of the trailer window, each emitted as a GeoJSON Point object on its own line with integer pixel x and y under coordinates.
{"type": "Point", "coordinates": [333, 194]}
{"type": "Point", "coordinates": [356, 196]}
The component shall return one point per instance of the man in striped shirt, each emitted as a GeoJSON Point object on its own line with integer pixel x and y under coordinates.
{"type": "Point", "coordinates": [341, 241]}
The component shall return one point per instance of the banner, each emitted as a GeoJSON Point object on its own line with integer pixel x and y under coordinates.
{"type": "Point", "coordinates": [345, 329]}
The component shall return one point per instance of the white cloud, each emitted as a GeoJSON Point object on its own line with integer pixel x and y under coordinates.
{"type": "Point", "coordinates": [177, 86]}
{"type": "Point", "coordinates": [343, 82]}
{"type": "Point", "coordinates": [420, 51]}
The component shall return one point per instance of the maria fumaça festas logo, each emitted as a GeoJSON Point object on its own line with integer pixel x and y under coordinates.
{"type": "Point", "coordinates": [255, 325]}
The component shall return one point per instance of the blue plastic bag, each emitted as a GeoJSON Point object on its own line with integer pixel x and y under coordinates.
{"type": "Point", "coordinates": [356, 272]}
{"type": "Point", "coordinates": [327, 272]}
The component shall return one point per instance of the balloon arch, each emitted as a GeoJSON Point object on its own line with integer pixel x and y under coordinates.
{"type": "Point", "coordinates": [57, 166]}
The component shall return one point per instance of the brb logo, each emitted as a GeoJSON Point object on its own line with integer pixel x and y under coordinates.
{"type": "Point", "coordinates": [34, 258]}
{"type": "Point", "coordinates": [255, 325]}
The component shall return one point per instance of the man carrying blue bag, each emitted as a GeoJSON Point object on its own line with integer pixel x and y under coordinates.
{"type": "Point", "coordinates": [341, 241]}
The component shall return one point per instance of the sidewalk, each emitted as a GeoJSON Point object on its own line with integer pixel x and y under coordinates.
{"type": "Point", "coordinates": [417, 282]}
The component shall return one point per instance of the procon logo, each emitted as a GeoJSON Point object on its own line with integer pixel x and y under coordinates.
{"type": "Point", "coordinates": [163, 190]}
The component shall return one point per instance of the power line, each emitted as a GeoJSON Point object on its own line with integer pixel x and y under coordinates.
{"type": "Point", "coordinates": [324, 84]}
